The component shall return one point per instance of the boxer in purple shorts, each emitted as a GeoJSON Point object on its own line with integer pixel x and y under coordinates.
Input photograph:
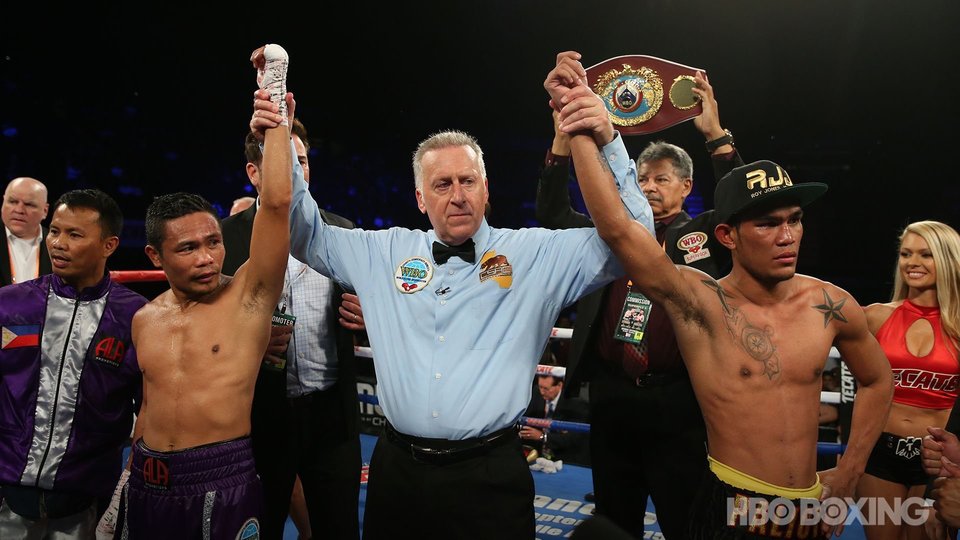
{"type": "Point", "coordinates": [199, 346]}
{"type": "Point", "coordinates": [212, 490]}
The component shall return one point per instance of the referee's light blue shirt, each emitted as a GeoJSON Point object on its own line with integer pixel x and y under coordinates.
{"type": "Point", "coordinates": [455, 346]}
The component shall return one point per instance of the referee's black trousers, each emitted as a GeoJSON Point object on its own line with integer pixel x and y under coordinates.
{"type": "Point", "coordinates": [484, 497]}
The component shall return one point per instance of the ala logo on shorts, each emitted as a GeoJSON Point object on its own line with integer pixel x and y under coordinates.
{"type": "Point", "coordinates": [250, 530]}
{"type": "Point", "coordinates": [413, 275]}
{"type": "Point", "coordinates": [693, 244]}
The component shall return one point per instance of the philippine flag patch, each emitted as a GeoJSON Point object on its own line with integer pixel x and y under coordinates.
{"type": "Point", "coordinates": [27, 335]}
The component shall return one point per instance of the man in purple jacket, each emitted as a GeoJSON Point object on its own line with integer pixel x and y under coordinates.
{"type": "Point", "coordinates": [69, 379]}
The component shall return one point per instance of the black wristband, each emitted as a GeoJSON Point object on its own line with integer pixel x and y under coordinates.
{"type": "Point", "coordinates": [718, 142]}
{"type": "Point", "coordinates": [553, 159]}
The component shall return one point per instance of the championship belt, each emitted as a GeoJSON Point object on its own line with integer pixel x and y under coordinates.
{"type": "Point", "coordinates": [645, 94]}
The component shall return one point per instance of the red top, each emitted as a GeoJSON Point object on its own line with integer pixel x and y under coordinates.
{"type": "Point", "coordinates": [928, 382]}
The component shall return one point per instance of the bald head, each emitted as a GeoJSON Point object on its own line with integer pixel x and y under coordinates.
{"type": "Point", "coordinates": [24, 207]}
{"type": "Point", "coordinates": [241, 204]}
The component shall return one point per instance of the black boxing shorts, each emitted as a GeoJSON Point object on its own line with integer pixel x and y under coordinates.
{"type": "Point", "coordinates": [740, 506]}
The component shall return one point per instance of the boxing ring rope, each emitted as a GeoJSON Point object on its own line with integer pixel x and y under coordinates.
{"type": "Point", "coordinates": [131, 276]}
{"type": "Point", "coordinates": [560, 371]}
{"type": "Point", "coordinates": [824, 448]}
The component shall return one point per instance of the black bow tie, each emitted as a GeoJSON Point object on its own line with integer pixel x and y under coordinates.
{"type": "Point", "coordinates": [443, 252]}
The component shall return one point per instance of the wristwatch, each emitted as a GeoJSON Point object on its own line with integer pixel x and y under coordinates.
{"type": "Point", "coordinates": [720, 141]}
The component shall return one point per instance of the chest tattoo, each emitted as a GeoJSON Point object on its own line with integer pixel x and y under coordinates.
{"type": "Point", "coordinates": [830, 309]}
{"type": "Point", "coordinates": [755, 341]}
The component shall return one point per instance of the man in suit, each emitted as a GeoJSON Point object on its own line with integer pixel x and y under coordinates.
{"type": "Point", "coordinates": [305, 418]}
{"type": "Point", "coordinates": [23, 253]}
{"type": "Point", "coordinates": [647, 436]}
{"type": "Point", "coordinates": [554, 444]}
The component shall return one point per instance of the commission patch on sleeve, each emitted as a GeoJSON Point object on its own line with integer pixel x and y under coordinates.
{"type": "Point", "coordinates": [27, 335]}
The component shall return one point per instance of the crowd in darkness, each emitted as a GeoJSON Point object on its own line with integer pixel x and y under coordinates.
{"type": "Point", "coordinates": [370, 92]}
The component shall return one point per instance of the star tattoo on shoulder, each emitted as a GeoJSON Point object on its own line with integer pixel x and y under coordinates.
{"type": "Point", "coordinates": [830, 309]}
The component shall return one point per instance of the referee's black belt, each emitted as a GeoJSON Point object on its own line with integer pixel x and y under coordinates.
{"type": "Point", "coordinates": [444, 451]}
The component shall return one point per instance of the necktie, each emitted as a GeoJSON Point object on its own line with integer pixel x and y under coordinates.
{"type": "Point", "coordinates": [443, 252]}
{"type": "Point", "coordinates": [549, 409]}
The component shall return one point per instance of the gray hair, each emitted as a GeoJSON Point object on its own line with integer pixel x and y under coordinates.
{"type": "Point", "coordinates": [682, 164]}
{"type": "Point", "coordinates": [444, 139]}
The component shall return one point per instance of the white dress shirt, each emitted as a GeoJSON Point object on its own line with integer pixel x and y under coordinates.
{"type": "Point", "coordinates": [24, 256]}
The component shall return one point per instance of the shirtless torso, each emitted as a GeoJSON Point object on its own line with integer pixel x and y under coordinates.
{"type": "Point", "coordinates": [200, 343]}
{"type": "Point", "coordinates": [756, 341]}
{"type": "Point", "coordinates": [200, 362]}
{"type": "Point", "coordinates": [192, 471]}
{"type": "Point", "coordinates": [756, 368]}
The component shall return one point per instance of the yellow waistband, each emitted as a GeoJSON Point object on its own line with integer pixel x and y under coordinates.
{"type": "Point", "coordinates": [741, 480]}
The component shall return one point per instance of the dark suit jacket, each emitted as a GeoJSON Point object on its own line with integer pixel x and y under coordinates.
{"type": "Point", "coordinates": [237, 230]}
{"type": "Point", "coordinates": [6, 276]}
{"type": "Point", "coordinates": [554, 210]}
{"type": "Point", "coordinates": [569, 446]}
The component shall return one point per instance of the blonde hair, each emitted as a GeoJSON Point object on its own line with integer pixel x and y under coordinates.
{"type": "Point", "coordinates": [944, 244]}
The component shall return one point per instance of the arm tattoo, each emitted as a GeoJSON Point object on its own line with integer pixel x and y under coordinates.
{"type": "Point", "coordinates": [603, 162]}
{"type": "Point", "coordinates": [755, 341]}
{"type": "Point", "coordinates": [830, 309]}
{"type": "Point", "coordinates": [727, 309]}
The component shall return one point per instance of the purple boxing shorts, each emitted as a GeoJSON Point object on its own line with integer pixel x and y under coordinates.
{"type": "Point", "coordinates": [208, 492]}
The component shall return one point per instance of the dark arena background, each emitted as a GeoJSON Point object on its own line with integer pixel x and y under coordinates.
{"type": "Point", "coordinates": [141, 99]}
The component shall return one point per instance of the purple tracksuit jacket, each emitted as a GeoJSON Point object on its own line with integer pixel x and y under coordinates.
{"type": "Point", "coordinates": [69, 384]}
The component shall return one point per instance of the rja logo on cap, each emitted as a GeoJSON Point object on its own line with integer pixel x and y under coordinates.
{"type": "Point", "coordinates": [759, 179]}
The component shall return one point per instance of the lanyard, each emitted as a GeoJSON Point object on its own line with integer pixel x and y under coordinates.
{"type": "Point", "coordinates": [285, 297]}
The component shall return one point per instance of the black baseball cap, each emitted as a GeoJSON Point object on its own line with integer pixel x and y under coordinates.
{"type": "Point", "coordinates": [761, 183]}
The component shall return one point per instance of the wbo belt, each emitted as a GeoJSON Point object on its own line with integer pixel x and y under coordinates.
{"type": "Point", "coordinates": [441, 452]}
